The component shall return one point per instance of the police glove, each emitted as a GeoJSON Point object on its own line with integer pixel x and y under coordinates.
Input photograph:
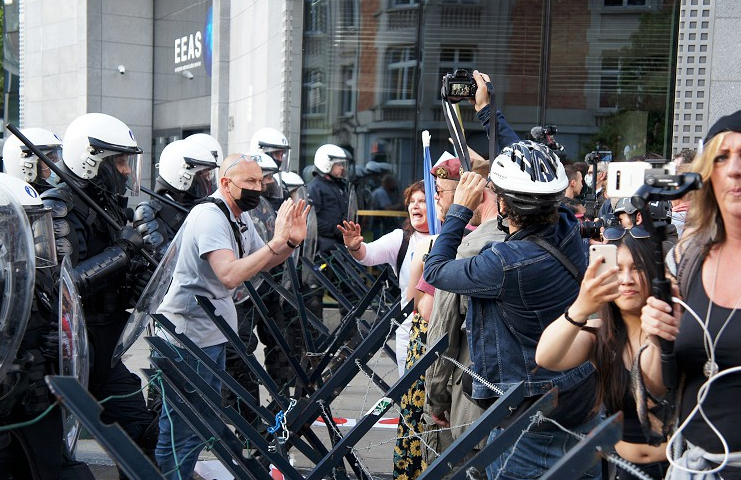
{"type": "Point", "coordinates": [130, 241]}
{"type": "Point", "coordinates": [146, 223]}
{"type": "Point", "coordinates": [138, 277]}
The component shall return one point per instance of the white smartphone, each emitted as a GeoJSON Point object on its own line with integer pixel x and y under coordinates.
{"type": "Point", "coordinates": [609, 259]}
{"type": "Point", "coordinates": [624, 178]}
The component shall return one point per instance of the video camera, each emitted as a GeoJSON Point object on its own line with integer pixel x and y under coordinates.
{"type": "Point", "coordinates": [593, 158]}
{"type": "Point", "coordinates": [593, 229]}
{"type": "Point", "coordinates": [545, 135]}
{"type": "Point", "coordinates": [458, 85]}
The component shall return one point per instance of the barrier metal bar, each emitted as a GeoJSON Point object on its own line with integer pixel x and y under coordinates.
{"type": "Point", "coordinates": [473, 435]}
{"type": "Point", "coordinates": [87, 410]}
{"type": "Point", "coordinates": [231, 458]}
{"type": "Point", "coordinates": [351, 273]}
{"type": "Point", "coordinates": [587, 452]}
{"type": "Point", "coordinates": [327, 284]}
{"type": "Point", "coordinates": [227, 380]}
{"type": "Point", "coordinates": [494, 450]}
{"type": "Point", "coordinates": [382, 406]}
{"type": "Point", "coordinates": [260, 372]}
{"type": "Point", "coordinates": [300, 305]}
{"type": "Point", "coordinates": [170, 361]}
{"type": "Point", "coordinates": [361, 269]}
{"type": "Point", "coordinates": [344, 330]}
{"type": "Point", "coordinates": [292, 299]}
{"type": "Point", "coordinates": [342, 276]}
{"type": "Point", "coordinates": [308, 409]}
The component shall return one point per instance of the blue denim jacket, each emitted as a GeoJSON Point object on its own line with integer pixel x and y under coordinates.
{"type": "Point", "coordinates": [516, 290]}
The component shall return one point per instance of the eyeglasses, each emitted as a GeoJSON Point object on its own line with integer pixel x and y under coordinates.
{"type": "Point", "coordinates": [246, 158]}
{"type": "Point", "coordinates": [438, 190]}
{"type": "Point", "coordinates": [613, 234]}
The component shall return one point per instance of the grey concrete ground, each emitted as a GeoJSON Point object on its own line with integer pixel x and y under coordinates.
{"type": "Point", "coordinates": [375, 449]}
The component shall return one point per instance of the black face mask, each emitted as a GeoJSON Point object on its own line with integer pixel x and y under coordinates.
{"type": "Point", "coordinates": [248, 200]}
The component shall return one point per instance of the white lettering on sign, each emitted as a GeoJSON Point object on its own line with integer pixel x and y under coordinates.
{"type": "Point", "coordinates": [188, 48]}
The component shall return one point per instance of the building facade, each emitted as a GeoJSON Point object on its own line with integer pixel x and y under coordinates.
{"type": "Point", "coordinates": [630, 76]}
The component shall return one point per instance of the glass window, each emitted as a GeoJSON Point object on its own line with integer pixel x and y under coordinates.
{"type": "Point", "coordinates": [572, 71]}
{"type": "Point", "coordinates": [402, 68]}
{"type": "Point", "coordinates": [316, 93]}
{"type": "Point", "coordinates": [315, 13]}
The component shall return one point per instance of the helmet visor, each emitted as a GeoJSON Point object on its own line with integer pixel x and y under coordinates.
{"type": "Point", "coordinates": [272, 186]}
{"type": "Point", "coordinates": [127, 170]}
{"type": "Point", "coordinates": [281, 156]}
{"type": "Point", "coordinates": [42, 228]}
{"type": "Point", "coordinates": [339, 168]}
{"type": "Point", "coordinates": [204, 183]}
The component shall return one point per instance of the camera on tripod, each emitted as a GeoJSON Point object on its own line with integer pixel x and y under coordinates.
{"type": "Point", "coordinates": [458, 85]}
{"type": "Point", "coordinates": [593, 158]}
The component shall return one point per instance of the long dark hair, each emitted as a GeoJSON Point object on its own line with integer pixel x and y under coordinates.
{"type": "Point", "coordinates": [612, 335]}
{"type": "Point", "coordinates": [418, 186]}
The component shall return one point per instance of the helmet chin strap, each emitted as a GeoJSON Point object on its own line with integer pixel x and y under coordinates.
{"type": "Point", "coordinates": [501, 225]}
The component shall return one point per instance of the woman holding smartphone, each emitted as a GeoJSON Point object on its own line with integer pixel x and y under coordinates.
{"type": "Point", "coordinates": [618, 293]}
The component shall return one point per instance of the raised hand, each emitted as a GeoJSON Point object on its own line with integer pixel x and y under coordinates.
{"type": "Point", "coordinates": [351, 234]}
{"type": "Point", "coordinates": [470, 191]}
{"type": "Point", "coordinates": [298, 229]}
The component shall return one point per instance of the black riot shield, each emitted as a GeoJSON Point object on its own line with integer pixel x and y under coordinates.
{"type": "Point", "coordinates": [17, 273]}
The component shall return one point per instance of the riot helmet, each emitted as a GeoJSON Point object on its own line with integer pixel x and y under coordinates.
{"type": "Point", "coordinates": [39, 218]}
{"type": "Point", "coordinates": [291, 181]}
{"type": "Point", "coordinates": [22, 163]}
{"type": "Point", "coordinates": [209, 143]}
{"type": "Point", "coordinates": [188, 168]}
{"type": "Point", "coordinates": [273, 143]}
{"type": "Point", "coordinates": [530, 176]}
{"type": "Point", "coordinates": [102, 150]}
{"type": "Point", "coordinates": [332, 160]}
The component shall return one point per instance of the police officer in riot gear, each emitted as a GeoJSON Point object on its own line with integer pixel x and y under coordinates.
{"type": "Point", "coordinates": [187, 173]}
{"type": "Point", "coordinates": [36, 451]}
{"type": "Point", "coordinates": [22, 163]}
{"type": "Point", "coordinates": [101, 155]}
{"type": "Point", "coordinates": [273, 143]}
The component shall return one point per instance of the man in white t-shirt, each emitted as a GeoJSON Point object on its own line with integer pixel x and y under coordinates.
{"type": "Point", "coordinates": [212, 263]}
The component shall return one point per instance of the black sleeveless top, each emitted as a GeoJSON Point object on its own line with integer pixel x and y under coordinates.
{"type": "Point", "coordinates": [722, 402]}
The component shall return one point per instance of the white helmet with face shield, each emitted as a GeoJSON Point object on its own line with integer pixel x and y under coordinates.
{"type": "Point", "coordinates": [331, 160]}
{"type": "Point", "coordinates": [39, 217]}
{"type": "Point", "coordinates": [189, 168]}
{"type": "Point", "coordinates": [273, 143]}
{"type": "Point", "coordinates": [209, 143]}
{"type": "Point", "coordinates": [22, 163]}
{"type": "Point", "coordinates": [102, 149]}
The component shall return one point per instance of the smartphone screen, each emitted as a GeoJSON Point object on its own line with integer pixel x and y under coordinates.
{"type": "Point", "coordinates": [624, 178]}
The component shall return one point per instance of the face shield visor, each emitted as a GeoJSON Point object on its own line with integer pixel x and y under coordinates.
{"type": "Point", "coordinates": [36, 169]}
{"type": "Point", "coordinates": [339, 170]}
{"type": "Point", "coordinates": [271, 185]}
{"type": "Point", "coordinates": [42, 228]}
{"type": "Point", "coordinates": [280, 155]}
{"type": "Point", "coordinates": [204, 183]}
{"type": "Point", "coordinates": [123, 167]}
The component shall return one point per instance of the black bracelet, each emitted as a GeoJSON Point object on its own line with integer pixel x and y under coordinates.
{"type": "Point", "coordinates": [292, 245]}
{"type": "Point", "coordinates": [572, 321]}
{"type": "Point", "coordinates": [355, 249]}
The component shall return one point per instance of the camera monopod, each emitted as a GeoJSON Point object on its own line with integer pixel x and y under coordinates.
{"type": "Point", "coordinates": [659, 187]}
{"type": "Point", "coordinates": [69, 181]}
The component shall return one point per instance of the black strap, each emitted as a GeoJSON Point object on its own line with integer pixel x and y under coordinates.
{"type": "Point", "coordinates": [545, 244]}
{"type": "Point", "coordinates": [402, 251]}
{"type": "Point", "coordinates": [456, 134]}
{"type": "Point", "coordinates": [225, 210]}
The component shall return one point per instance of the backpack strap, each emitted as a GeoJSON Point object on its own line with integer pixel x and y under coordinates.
{"type": "Point", "coordinates": [402, 251]}
{"type": "Point", "coordinates": [225, 210]}
{"type": "Point", "coordinates": [547, 246]}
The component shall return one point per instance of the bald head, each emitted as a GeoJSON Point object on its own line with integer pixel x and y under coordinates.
{"type": "Point", "coordinates": [236, 173]}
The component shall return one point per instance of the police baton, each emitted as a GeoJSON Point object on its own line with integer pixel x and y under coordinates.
{"type": "Point", "coordinates": [164, 199]}
{"type": "Point", "coordinates": [69, 181]}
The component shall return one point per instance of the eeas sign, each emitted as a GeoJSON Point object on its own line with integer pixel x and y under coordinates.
{"type": "Point", "coordinates": [188, 51]}
{"type": "Point", "coordinates": [191, 49]}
